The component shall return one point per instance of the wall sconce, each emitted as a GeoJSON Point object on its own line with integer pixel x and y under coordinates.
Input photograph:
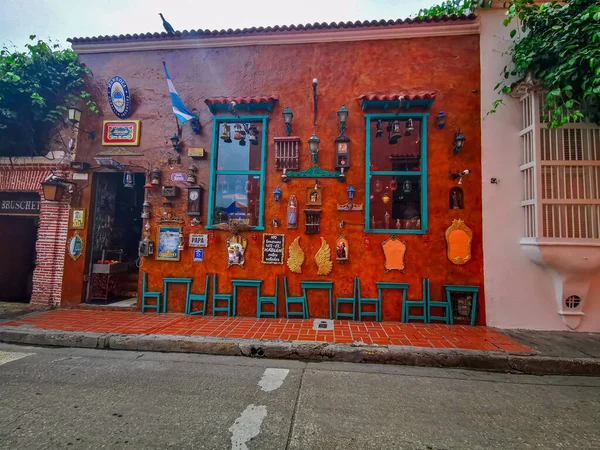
{"type": "Point", "coordinates": [74, 115]}
{"type": "Point", "coordinates": [191, 175]}
{"type": "Point", "coordinates": [379, 132]}
{"type": "Point", "coordinates": [277, 194]}
{"type": "Point", "coordinates": [181, 242]}
{"type": "Point", "coordinates": [128, 179]}
{"type": "Point", "coordinates": [288, 115]}
{"type": "Point", "coordinates": [459, 141]}
{"type": "Point", "coordinates": [155, 177]}
{"type": "Point", "coordinates": [351, 191]}
{"type": "Point", "coordinates": [409, 128]}
{"type": "Point", "coordinates": [395, 133]}
{"type": "Point", "coordinates": [342, 117]}
{"type": "Point", "coordinates": [54, 188]}
{"type": "Point", "coordinates": [313, 148]}
{"type": "Point", "coordinates": [146, 210]}
{"type": "Point", "coordinates": [226, 134]}
{"type": "Point", "coordinates": [441, 120]}
{"type": "Point", "coordinates": [175, 141]}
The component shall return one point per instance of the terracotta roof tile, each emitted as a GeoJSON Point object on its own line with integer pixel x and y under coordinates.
{"type": "Point", "coordinates": [240, 100]}
{"type": "Point", "coordinates": [275, 29]}
{"type": "Point", "coordinates": [424, 95]}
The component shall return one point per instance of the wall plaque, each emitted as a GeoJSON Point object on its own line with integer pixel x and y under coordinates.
{"type": "Point", "coordinates": [19, 203]}
{"type": "Point", "coordinates": [272, 248]}
{"type": "Point", "coordinates": [198, 240]}
{"type": "Point", "coordinates": [118, 97]}
{"type": "Point", "coordinates": [121, 132]}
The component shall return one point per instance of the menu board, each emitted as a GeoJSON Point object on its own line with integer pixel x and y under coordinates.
{"type": "Point", "coordinates": [272, 249]}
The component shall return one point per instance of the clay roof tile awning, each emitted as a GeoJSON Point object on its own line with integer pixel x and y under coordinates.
{"type": "Point", "coordinates": [423, 95]}
{"type": "Point", "coordinates": [242, 103]}
{"type": "Point", "coordinates": [406, 99]}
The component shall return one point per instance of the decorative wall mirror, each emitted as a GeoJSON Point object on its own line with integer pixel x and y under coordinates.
{"type": "Point", "coordinates": [456, 198]}
{"type": "Point", "coordinates": [393, 252]}
{"type": "Point", "coordinates": [458, 238]}
{"type": "Point", "coordinates": [76, 246]}
{"type": "Point", "coordinates": [236, 250]}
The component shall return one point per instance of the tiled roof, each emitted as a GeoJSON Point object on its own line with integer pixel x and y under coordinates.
{"type": "Point", "coordinates": [240, 100]}
{"type": "Point", "coordinates": [275, 29]}
{"type": "Point", "coordinates": [427, 95]}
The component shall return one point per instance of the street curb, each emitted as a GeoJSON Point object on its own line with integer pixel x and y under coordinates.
{"type": "Point", "coordinates": [309, 351]}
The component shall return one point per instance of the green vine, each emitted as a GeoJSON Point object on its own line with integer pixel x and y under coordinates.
{"type": "Point", "coordinates": [450, 7]}
{"type": "Point", "coordinates": [36, 87]}
{"type": "Point", "coordinates": [560, 48]}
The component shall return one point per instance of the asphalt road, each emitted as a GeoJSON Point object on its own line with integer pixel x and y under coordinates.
{"type": "Point", "coordinates": [93, 399]}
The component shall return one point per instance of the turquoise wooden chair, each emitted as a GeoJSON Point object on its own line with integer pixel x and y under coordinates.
{"type": "Point", "coordinates": [148, 295]}
{"type": "Point", "coordinates": [408, 304]}
{"type": "Point", "coordinates": [294, 300]}
{"type": "Point", "coordinates": [446, 305]}
{"type": "Point", "coordinates": [347, 301]}
{"type": "Point", "coordinates": [220, 297]}
{"type": "Point", "coordinates": [365, 301]}
{"type": "Point", "coordinates": [262, 300]}
{"type": "Point", "coordinates": [198, 298]}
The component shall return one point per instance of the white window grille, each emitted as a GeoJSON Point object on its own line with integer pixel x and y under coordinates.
{"type": "Point", "coordinates": [561, 172]}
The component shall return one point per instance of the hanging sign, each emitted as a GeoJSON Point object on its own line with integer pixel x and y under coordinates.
{"type": "Point", "coordinates": [178, 176]}
{"type": "Point", "coordinates": [118, 97]}
{"type": "Point", "coordinates": [198, 255]}
{"type": "Point", "coordinates": [272, 249]}
{"type": "Point", "coordinates": [198, 240]}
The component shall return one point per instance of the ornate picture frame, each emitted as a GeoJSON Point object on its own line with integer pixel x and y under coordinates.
{"type": "Point", "coordinates": [342, 249]}
{"type": "Point", "coordinates": [167, 248]}
{"type": "Point", "coordinates": [394, 251]}
{"type": "Point", "coordinates": [75, 246]}
{"type": "Point", "coordinates": [121, 132]}
{"type": "Point", "coordinates": [458, 240]}
{"type": "Point", "coordinates": [77, 219]}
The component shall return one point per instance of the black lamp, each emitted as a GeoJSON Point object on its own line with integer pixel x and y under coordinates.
{"type": "Point", "coordinates": [277, 194]}
{"type": "Point", "coordinates": [288, 115]}
{"type": "Point", "coordinates": [175, 141]}
{"type": "Point", "coordinates": [313, 148]}
{"type": "Point", "coordinates": [459, 141]}
{"type": "Point", "coordinates": [74, 115]}
{"type": "Point", "coordinates": [342, 117]}
{"type": "Point", "coordinates": [379, 132]}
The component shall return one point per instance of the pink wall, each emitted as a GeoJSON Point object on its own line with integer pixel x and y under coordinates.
{"type": "Point", "coordinates": [519, 293]}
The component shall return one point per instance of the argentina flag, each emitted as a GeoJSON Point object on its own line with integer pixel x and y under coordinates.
{"type": "Point", "coordinates": [179, 109]}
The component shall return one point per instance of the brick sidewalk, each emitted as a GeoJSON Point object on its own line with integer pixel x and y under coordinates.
{"type": "Point", "coordinates": [346, 332]}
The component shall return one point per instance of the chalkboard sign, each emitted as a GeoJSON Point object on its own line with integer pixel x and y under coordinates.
{"type": "Point", "coordinates": [272, 249]}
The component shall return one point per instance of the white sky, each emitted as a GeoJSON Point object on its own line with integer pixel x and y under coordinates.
{"type": "Point", "coordinates": [60, 19]}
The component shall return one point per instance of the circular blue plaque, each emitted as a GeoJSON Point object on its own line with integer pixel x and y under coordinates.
{"type": "Point", "coordinates": [118, 97]}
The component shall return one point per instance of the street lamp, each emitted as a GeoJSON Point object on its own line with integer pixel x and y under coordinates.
{"type": "Point", "coordinates": [342, 117]}
{"type": "Point", "coordinates": [313, 148]}
{"type": "Point", "coordinates": [288, 115]}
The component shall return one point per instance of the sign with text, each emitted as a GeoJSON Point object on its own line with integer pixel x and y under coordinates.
{"type": "Point", "coordinates": [272, 249]}
{"type": "Point", "coordinates": [19, 203]}
{"type": "Point", "coordinates": [198, 255]}
{"type": "Point", "coordinates": [198, 240]}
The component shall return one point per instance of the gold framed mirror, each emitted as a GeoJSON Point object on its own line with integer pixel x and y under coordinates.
{"type": "Point", "coordinates": [459, 238]}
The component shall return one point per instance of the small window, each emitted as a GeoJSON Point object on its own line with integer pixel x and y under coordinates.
{"type": "Point", "coordinates": [396, 168]}
{"type": "Point", "coordinates": [237, 175]}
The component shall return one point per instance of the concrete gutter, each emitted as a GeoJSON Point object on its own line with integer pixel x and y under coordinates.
{"type": "Point", "coordinates": [533, 364]}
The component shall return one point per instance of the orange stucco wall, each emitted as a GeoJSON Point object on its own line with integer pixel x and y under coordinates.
{"type": "Point", "coordinates": [447, 65]}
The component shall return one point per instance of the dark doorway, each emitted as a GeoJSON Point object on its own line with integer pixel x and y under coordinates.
{"type": "Point", "coordinates": [117, 230]}
{"type": "Point", "coordinates": [19, 235]}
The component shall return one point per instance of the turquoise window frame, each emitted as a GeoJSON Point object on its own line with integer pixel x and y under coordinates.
{"type": "Point", "coordinates": [422, 117]}
{"type": "Point", "coordinates": [217, 121]}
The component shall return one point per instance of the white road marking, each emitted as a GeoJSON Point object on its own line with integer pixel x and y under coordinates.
{"type": "Point", "coordinates": [6, 357]}
{"type": "Point", "coordinates": [247, 426]}
{"type": "Point", "coordinates": [272, 379]}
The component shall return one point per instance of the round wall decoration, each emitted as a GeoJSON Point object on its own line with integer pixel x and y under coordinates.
{"type": "Point", "coordinates": [118, 97]}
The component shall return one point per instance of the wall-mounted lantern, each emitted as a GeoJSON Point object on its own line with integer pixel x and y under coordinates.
{"type": "Point", "coordinates": [313, 148]}
{"type": "Point", "coordinates": [342, 152]}
{"type": "Point", "coordinates": [175, 141]}
{"type": "Point", "coordinates": [146, 210]}
{"type": "Point", "coordinates": [395, 133]}
{"type": "Point", "coordinates": [226, 134]}
{"type": "Point", "coordinates": [351, 191]}
{"type": "Point", "coordinates": [128, 179]}
{"type": "Point", "coordinates": [53, 188]}
{"type": "Point", "coordinates": [409, 128]}
{"type": "Point", "coordinates": [277, 194]}
{"type": "Point", "coordinates": [379, 132]}
{"type": "Point", "coordinates": [191, 175]}
{"type": "Point", "coordinates": [342, 117]}
{"type": "Point", "coordinates": [441, 120]}
{"type": "Point", "coordinates": [459, 140]}
{"type": "Point", "coordinates": [155, 177]}
{"type": "Point", "coordinates": [288, 115]}
{"type": "Point", "coordinates": [74, 115]}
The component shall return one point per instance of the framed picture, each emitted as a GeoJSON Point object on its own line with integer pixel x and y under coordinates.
{"type": "Point", "coordinates": [342, 248]}
{"type": "Point", "coordinates": [168, 243]}
{"type": "Point", "coordinates": [75, 246]}
{"type": "Point", "coordinates": [314, 196]}
{"type": "Point", "coordinates": [77, 221]}
{"type": "Point", "coordinates": [121, 132]}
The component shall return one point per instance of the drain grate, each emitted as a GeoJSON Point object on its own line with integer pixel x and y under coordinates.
{"type": "Point", "coordinates": [322, 324]}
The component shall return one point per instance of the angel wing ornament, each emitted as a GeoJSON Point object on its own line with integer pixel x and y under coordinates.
{"type": "Point", "coordinates": [296, 258]}
{"type": "Point", "coordinates": [323, 259]}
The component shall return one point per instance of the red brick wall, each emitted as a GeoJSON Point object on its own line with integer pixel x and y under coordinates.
{"type": "Point", "coordinates": [52, 230]}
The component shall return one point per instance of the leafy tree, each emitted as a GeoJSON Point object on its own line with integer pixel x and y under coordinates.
{"type": "Point", "coordinates": [449, 7]}
{"type": "Point", "coordinates": [35, 88]}
{"type": "Point", "coordinates": [560, 48]}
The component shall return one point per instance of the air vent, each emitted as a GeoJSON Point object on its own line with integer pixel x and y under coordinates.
{"type": "Point", "coordinates": [573, 302]}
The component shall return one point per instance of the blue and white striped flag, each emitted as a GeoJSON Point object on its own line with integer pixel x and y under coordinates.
{"type": "Point", "coordinates": [179, 109]}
